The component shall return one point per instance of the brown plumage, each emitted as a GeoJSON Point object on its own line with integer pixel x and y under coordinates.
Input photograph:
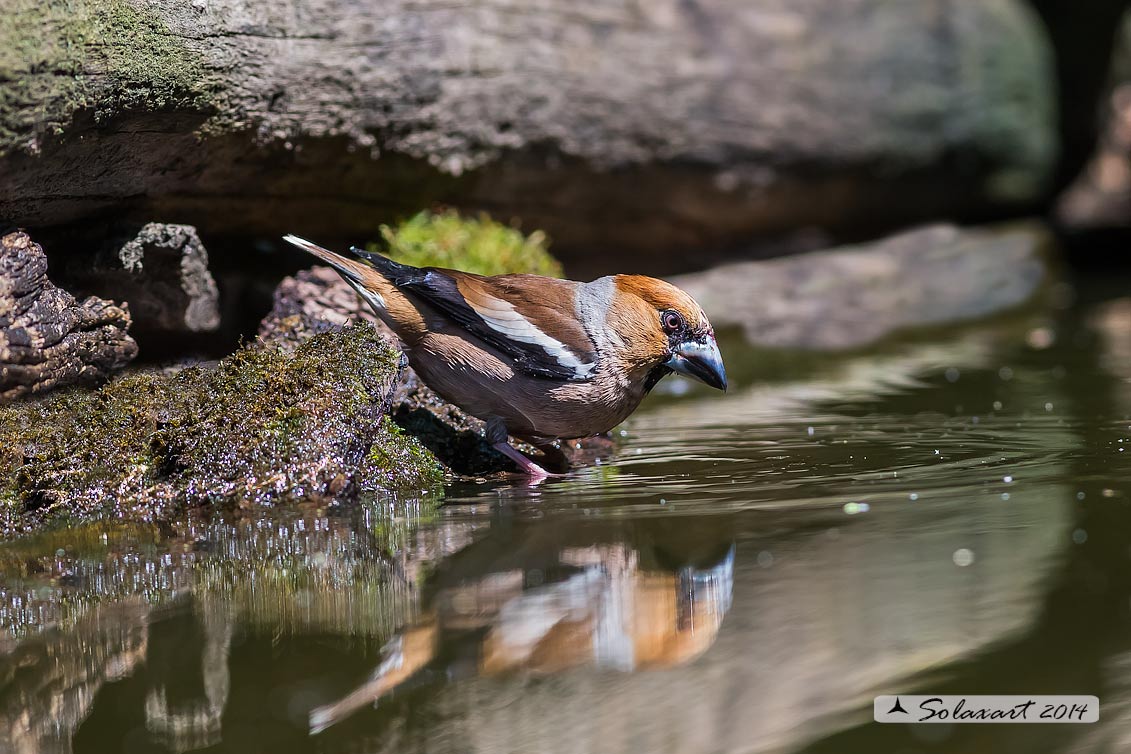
{"type": "Point", "coordinates": [535, 357]}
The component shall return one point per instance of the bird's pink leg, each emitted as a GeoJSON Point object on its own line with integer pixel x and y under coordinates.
{"type": "Point", "coordinates": [528, 467]}
{"type": "Point", "coordinates": [497, 435]}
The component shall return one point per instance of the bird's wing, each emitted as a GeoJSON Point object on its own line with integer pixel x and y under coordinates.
{"type": "Point", "coordinates": [530, 318]}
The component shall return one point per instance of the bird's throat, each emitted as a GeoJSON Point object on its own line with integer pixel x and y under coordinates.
{"type": "Point", "coordinates": [657, 373]}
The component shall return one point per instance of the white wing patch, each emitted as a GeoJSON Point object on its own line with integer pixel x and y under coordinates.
{"type": "Point", "coordinates": [502, 317]}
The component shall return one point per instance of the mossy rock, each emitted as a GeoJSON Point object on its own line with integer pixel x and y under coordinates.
{"type": "Point", "coordinates": [480, 245]}
{"type": "Point", "coordinates": [264, 425]}
{"type": "Point", "coordinates": [398, 460]}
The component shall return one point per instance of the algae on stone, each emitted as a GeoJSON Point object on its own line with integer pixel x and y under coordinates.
{"type": "Point", "coordinates": [479, 245]}
{"type": "Point", "coordinates": [263, 425]}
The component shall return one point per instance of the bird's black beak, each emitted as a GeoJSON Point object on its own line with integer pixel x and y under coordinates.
{"type": "Point", "coordinates": [700, 360]}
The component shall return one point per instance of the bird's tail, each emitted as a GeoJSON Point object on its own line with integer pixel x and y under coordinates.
{"type": "Point", "coordinates": [370, 282]}
{"type": "Point", "coordinates": [353, 270]}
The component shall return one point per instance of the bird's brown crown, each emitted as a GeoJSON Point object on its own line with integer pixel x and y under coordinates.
{"type": "Point", "coordinates": [638, 318]}
{"type": "Point", "coordinates": [661, 295]}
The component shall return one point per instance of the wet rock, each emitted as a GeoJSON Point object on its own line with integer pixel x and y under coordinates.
{"type": "Point", "coordinates": [313, 301]}
{"type": "Point", "coordinates": [263, 425]}
{"type": "Point", "coordinates": [856, 295]}
{"type": "Point", "coordinates": [47, 338]}
{"type": "Point", "coordinates": [643, 126]}
{"type": "Point", "coordinates": [162, 273]}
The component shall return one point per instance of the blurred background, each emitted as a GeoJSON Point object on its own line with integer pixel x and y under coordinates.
{"type": "Point", "coordinates": [909, 221]}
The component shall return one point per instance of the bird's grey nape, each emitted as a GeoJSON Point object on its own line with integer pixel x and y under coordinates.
{"type": "Point", "coordinates": [593, 301]}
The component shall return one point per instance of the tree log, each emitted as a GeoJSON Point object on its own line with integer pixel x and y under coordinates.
{"type": "Point", "coordinates": [47, 338]}
{"type": "Point", "coordinates": [651, 126]}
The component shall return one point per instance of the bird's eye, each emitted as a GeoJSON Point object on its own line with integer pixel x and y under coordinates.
{"type": "Point", "coordinates": [672, 321]}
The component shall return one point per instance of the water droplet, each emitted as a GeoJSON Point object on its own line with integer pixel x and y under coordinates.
{"type": "Point", "coordinates": [1005, 373]}
{"type": "Point", "coordinates": [1005, 496]}
{"type": "Point", "coordinates": [1048, 406]}
{"type": "Point", "coordinates": [765, 559]}
{"type": "Point", "coordinates": [1007, 479]}
{"type": "Point", "coordinates": [963, 557]}
{"type": "Point", "coordinates": [914, 496]}
{"type": "Point", "coordinates": [1040, 338]}
{"type": "Point", "coordinates": [997, 405]}
{"type": "Point", "coordinates": [809, 431]}
{"type": "Point", "coordinates": [1079, 536]}
{"type": "Point", "coordinates": [952, 374]}
{"type": "Point", "coordinates": [1080, 495]}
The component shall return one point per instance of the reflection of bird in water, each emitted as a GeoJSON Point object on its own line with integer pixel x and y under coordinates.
{"type": "Point", "coordinates": [605, 612]}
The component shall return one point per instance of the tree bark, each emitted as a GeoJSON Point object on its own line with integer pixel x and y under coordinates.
{"type": "Point", "coordinates": [628, 125]}
{"type": "Point", "coordinates": [47, 338]}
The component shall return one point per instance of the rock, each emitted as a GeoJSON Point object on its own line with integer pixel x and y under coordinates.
{"type": "Point", "coordinates": [162, 273]}
{"type": "Point", "coordinates": [1100, 196]}
{"type": "Point", "coordinates": [261, 426]}
{"type": "Point", "coordinates": [642, 126]}
{"type": "Point", "coordinates": [856, 295]}
{"type": "Point", "coordinates": [311, 302]}
{"type": "Point", "coordinates": [1083, 42]}
{"type": "Point", "coordinates": [47, 338]}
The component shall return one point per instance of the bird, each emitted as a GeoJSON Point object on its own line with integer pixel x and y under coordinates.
{"type": "Point", "coordinates": [536, 358]}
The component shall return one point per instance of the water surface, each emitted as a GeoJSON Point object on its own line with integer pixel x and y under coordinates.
{"type": "Point", "coordinates": [743, 574]}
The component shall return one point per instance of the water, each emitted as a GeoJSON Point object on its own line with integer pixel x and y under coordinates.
{"type": "Point", "coordinates": [944, 515]}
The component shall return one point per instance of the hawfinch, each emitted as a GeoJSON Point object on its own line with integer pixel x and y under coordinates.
{"type": "Point", "coordinates": [535, 357]}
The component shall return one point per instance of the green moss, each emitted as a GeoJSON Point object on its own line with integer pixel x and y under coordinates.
{"type": "Point", "coordinates": [479, 245]}
{"type": "Point", "coordinates": [397, 460]}
{"type": "Point", "coordinates": [60, 57]}
{"type": "Point", "coordinates": [263, 425]}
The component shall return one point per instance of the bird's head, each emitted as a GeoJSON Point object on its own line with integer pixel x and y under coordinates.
{"type": "Point", "coordinates": [664, 331]}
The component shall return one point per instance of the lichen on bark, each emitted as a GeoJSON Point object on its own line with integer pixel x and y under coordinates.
{"type": "Point", "coordinates": [59, 58]}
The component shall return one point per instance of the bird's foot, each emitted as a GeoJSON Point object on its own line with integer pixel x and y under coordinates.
{"type": "Point", "coordinates": [528, 467]}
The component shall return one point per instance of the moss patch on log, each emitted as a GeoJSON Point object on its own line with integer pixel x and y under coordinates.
{"type": "Point", "coordinates": [397, 460]}
{"type": "Point", "coordinates": [61, 57]}
{"type": "Point", "coordinates": [480, 245]}
{"type": "Point", "coordinates": [264, 425]}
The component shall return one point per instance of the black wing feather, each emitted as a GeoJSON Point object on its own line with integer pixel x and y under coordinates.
{"type": "Point", "coordinates": [442, 293]}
